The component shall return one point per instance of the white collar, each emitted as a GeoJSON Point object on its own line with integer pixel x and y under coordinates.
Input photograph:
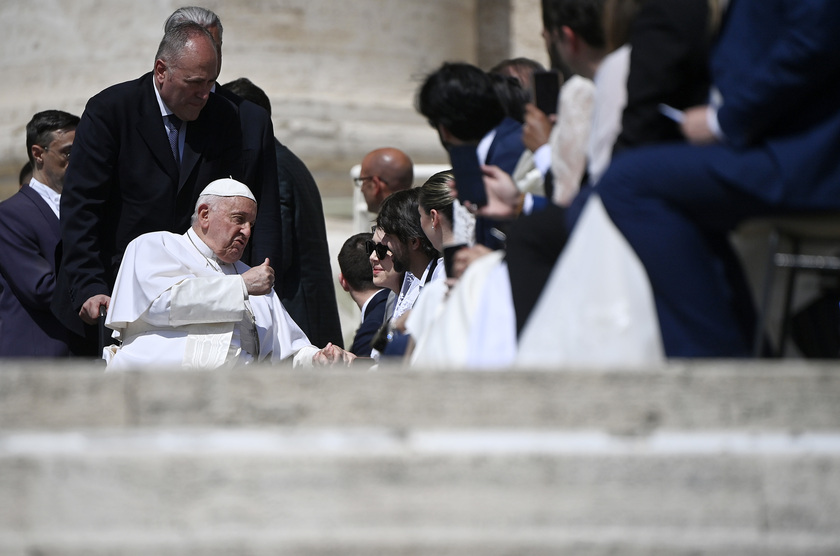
{"type": "Point", "coordinates": [207, 253]}
{"type": "Point", "coordinates": [48, 194]}
{"type": "Point", "coordinates": [367, 302]}
{"type": "Point", "coordinates": [164, 109]}
{"type": "Point", "coordinates": [483, 148]}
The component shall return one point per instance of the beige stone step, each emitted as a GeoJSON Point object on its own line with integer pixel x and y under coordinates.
{"type": "Point", "coordinates": [713, 458]}
{"type": "Point", "coordinates": [788, 396]}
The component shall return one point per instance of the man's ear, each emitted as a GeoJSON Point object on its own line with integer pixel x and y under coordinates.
{"type": "Point", "coordinates": [343, 283]}
{"type": "Point", "coordinates": [203, 213]}
{"type": "Point", "coordinates": [160, 71]}
{"type": "Point", "coordinates": [38, 155]}
{"type": "Point", "coordinates": [381, 190]}
{"type": "Point", "coordinates": [569, 37]}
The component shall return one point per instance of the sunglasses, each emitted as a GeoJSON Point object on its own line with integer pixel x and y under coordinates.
{"type": "Point", "coordinates": [381, 250]}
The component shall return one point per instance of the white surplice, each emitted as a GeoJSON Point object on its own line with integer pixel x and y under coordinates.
{"type": "Point", "coordinates": [175, 305]}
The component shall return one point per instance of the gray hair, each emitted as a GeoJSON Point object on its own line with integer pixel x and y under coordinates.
{"type": "Point", "coordinates": [195, 14]}
{"type": "Point", "coordinates": [175, 39]}
{"type": "Point", "coordinates": [210, 200]}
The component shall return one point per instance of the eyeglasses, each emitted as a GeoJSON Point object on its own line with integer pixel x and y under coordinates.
{"type": "Point", "coordinates": [382, 251]}
{"type": "Point", "coordinates": [65, 154]}
{"type": "Point", "coordinates": [361, 179]}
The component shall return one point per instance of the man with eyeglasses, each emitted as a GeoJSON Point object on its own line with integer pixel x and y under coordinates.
{"type": "Point", "coordinates": [384, 171]}
{"type": "Point", "coordinates": [29, 234]}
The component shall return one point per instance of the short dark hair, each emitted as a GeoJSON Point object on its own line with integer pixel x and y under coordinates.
{"type": "Point", "coordinates": [518, 66]}
{"type": "Point", "coordinates": [512, 95]}
{"type": "Point", "coordinates": [460, 97]}
{"type": "Point", "coordinates": [584, 17]}
{"type": "Point", "coordinates": [244, 88]}
{"type": "Point", "coordinates": [399, 217]}
{"type": "Point", "coordinates": [354, 262]}
{"type": "Point", "coordinates": [40, 129]}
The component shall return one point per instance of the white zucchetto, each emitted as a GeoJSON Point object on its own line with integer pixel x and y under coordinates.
{"type": "Point", "coordinates": [228, 187]}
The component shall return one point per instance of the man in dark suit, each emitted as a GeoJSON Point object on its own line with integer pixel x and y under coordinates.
{"type": "Point", "coordinates": [305, 279]}
{"type": "Point", "coordinates": [291, 218]}
{"type": "Point", "coordinates": [768, 144]}
{"type": "Point", "coordinates": [459, 101]}
{"type": "Point", "coordinates": [668, 64]}
{"type": "Point", "coordinates": [259, 163]}
{"type": "Point", "coordinates": [135, 169]}
{"type": "Point", "coordinates": [29, 234]}
{"type": "Point", "coordinates": [356, 278]}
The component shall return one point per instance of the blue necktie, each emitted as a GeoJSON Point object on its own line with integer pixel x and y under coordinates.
{"type": "Point", "coordinates": [172, 131]}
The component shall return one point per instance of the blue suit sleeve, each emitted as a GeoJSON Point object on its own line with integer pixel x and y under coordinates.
{"type": "Point", "coordinates": [801, 57]}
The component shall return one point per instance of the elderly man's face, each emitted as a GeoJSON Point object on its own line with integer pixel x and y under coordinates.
{"type": "Point", "coordinates": [185, 84]}
{"type": "Point", "coordinates": [227, 227]}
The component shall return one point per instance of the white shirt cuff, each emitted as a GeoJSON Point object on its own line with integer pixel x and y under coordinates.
{"type": "Point", "coordinates": [542, 159]}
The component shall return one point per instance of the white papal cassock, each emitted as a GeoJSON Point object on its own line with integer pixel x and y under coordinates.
{"type": "Point", "coordinates": [174, 304]}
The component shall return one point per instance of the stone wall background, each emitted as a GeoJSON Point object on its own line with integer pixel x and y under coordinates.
{"type": "Point", "coordinates": [341, 76]}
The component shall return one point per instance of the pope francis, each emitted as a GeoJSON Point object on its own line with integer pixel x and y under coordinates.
{"type": "Point", "coordinates": [186, 301]}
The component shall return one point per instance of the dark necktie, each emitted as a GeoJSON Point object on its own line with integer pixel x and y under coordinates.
{"type": "Point", "coordinates": [172, 130]}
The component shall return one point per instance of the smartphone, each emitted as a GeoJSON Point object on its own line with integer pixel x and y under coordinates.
{"type": "Point", "coordinates": [547, 89]}
{"type": "Point", "coordinates": [469, 181]}
{"type": "Point", "coordinates": [448, 255]}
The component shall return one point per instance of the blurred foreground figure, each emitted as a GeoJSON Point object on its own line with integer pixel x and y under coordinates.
{"type": "Point", "coordinates": [766, 145]}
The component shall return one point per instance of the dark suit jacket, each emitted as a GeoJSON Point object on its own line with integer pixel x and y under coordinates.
{"type": "Point", "coordinates": [373, 318]}
{"type": "Point", "coordinates": [668, 64]}
{"type": "Point", "coordinates": [123, 181]}
{"type": "Point", "coordinates": [306, 283]}
{"type": "Point", "coordinates": [259, 172]}
{"type": "Point", "coordinates": [29, 234]}
{"type": "Point", "coordinates": [507, 145]}
{"type": "Point", "coordinates": [504, 152]}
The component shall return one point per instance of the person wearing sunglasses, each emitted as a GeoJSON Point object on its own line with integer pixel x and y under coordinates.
{"type": "Point", "coordinates": [356, 278]}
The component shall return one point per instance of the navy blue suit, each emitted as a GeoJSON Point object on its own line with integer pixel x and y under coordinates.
{"type": "Point", "coordinates": [507, 145]}
{"type": "Point", "coordinates": [29, 234]}
{"type": "Point", "coordinates": [505, 150]}
{"type": "Point", "coordinates": [373, 319]}
{"type": "Point", "coordinates": [777, 67]}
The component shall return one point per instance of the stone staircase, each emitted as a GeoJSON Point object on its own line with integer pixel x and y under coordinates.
{"type": "Point", "coordinates": [716, 458]}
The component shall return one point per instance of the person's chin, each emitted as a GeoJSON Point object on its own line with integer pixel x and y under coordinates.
{"type": "Point", "coordinates": [232, 256]}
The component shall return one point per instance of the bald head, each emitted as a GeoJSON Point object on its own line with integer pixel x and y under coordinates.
{"type": "Point", "coordinates": [385, 171]}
